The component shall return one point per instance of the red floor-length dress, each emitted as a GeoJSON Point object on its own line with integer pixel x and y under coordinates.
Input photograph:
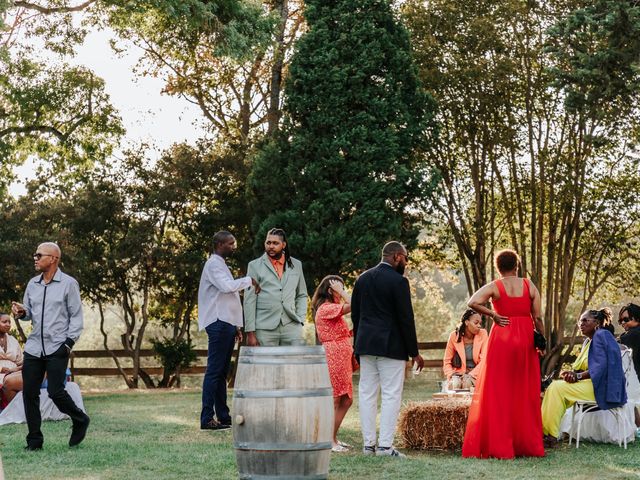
{"type": "Point", "coordinates": [505, 419]}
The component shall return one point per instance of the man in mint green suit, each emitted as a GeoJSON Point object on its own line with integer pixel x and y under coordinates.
{"type": "Point", "coordinates": [275, 311]}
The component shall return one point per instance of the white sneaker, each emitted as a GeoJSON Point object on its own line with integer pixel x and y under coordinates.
{"type": "Point", "coordinates": [389, 452]}
{"type": "Point", "coordinates": [369, 450]}
{"type": "Point", "coordinates": [339, 448]}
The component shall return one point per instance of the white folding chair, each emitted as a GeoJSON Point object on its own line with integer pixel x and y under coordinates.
{"type": "Point", "coordinates": [583, 407]}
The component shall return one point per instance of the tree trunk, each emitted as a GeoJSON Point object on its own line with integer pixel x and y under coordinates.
{"type": "Point", "coordinates": [273, 110]}
{"type": "Point", "coordinates": [105, 344]}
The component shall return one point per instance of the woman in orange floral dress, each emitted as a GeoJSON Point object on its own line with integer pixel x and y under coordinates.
{"type": "Point", "coordinates": [330, 302]}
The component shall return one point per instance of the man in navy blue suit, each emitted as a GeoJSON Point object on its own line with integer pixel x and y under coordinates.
{"type": "Point", "coordinates": [385, 338]}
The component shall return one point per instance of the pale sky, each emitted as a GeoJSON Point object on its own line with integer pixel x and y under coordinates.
{"type": "Point", "coordinates": [147, 115]}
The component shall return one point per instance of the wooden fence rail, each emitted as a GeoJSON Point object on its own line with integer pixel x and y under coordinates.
{"type": "Point", "coordinates": [200, 353]}
{"type": "Point", "coordinates": [114, 372]}
{"type": "Point", "coordinates": [195, 370]}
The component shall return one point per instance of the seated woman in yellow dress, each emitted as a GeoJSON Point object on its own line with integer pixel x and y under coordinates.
{"type": "Point", "coordinates": [465, 350]}
{"type": "Point", "coordinates": [596, 375]}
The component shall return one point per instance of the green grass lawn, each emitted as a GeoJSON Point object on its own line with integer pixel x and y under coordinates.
{"type": "Point", "coordinates": [156, 435]}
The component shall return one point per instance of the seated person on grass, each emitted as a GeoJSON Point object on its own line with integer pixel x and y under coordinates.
{"type": "Point", "coordinates": [465, 349]}
{"type": "Point", "coordinates": [596, 375]}
{"type": "Point", "coordinates": [10, 362]}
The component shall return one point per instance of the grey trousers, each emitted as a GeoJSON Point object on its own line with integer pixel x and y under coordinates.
{"type": "Point", "coordinates": [289, 334]}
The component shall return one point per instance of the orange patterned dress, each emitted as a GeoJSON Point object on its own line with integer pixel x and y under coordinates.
{"type": "Point", "coordinates": [335, 336]}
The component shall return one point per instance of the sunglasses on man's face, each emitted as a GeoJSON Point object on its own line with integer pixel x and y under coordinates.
{"type": "Point", "coordinates": [38, 256]}
{"type": "Point", "coordinates": [624, 320]}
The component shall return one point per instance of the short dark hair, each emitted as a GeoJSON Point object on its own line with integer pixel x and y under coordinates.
{"type": "Point", "coordinates": [392, 248]}
{"type": "Point", "coordinates": [220, 237]}
{"type": "Point", "coordinates": [632, 309]}
{"type": "Point", "coordinates": [507, 260]}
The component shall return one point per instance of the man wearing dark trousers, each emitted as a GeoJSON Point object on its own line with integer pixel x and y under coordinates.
{"type": "Point", "coordinates": [384, 338]}
{"type": "Point", "coordinates": [220, 315]}
{"type": "Point", "coordinates": [52, 303]}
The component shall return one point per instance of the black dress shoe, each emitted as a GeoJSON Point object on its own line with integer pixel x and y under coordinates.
{"type": "Point", "coordinates": [33, 448]}
{"type": "Point", "coordinates": [214, 424]}
{"type": "Point", "coordinates": [79, 431]}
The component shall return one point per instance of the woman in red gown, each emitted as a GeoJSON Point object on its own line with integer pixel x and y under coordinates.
{"type": "Point", "coordinates": [505, 418]}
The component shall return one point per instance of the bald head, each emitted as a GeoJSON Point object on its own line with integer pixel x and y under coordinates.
{"type": "Point", "coordinates": [50, 248]}
{"type": "Point", "coordinates": [46, 258]}
{"type": "Point", "coordinates": [393, 248]}
{"type": "Point", "coordinates": [395, 254]}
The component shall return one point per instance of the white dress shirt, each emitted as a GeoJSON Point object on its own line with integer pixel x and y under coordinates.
{"type": "Point", "coordinates": [218, 297]}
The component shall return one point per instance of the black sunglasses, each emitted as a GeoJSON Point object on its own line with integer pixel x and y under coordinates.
{"type": "Point", "coordinates": [38, 256]}
{"type": "Point", "coordinates": [624, 320]}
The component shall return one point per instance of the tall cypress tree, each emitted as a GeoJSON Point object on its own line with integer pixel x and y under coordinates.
{"type": "Point", "coordinates": [344, 173]}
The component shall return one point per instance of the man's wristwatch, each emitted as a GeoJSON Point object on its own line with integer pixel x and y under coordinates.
{"type": "Point", "coordinates": [579, 376]}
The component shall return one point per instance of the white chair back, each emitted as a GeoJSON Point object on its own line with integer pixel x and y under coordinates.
{"type": "Point", "coordinates": [631, 376]}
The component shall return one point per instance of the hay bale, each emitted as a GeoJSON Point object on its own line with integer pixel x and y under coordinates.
{"type": "Point", "coordinates": [434, 424]}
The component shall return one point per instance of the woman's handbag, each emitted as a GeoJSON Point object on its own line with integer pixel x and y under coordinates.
{"type": "Point", "coordinates": [539, 341]}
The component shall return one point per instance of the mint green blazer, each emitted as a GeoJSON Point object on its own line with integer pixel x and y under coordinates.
{"type": "Point", "coordinates": [279, 301]}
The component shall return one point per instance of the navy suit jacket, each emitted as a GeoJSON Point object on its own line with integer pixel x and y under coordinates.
{"type": "Point", "coordinates": [605, 369]}
{"type": "Point", "coordinates": [382, 315]}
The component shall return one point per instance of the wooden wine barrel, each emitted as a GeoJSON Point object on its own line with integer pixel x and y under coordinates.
{"type": "Point", "coordinates": [283, 413]}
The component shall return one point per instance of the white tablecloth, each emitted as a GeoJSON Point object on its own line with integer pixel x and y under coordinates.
{"type": "Point", "coordinates": [14, 413]}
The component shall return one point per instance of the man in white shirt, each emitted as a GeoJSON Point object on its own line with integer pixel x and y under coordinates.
{"type": "Point", "coordinates": [220, 314]}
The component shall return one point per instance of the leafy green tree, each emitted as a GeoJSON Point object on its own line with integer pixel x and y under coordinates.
{"type": "Point", "coordinates": [345, 173]}
{"type": "Point", "coordinates": [151, 239]}
{"type": "Point", "coordinates": [174, 355]}
{"type": "Point", "coordinates": [231, 27]}
{"type": "Point", "coordinates": [465, 55]}
{"type": "Point", "coordinates": [135, 239]}
{"type": "Point", "coordinates": [20, 235]}
{"type": "Point", "coordinates": [223, 68]}
{"type": "Point", "coordinates": [539, 126]}
{"type": "Point", "coordinates": [596, 48]}
{"type": "Point", "coordinates": [201, 191]}
{"type": "Point", "coordinates": [60, 114]}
